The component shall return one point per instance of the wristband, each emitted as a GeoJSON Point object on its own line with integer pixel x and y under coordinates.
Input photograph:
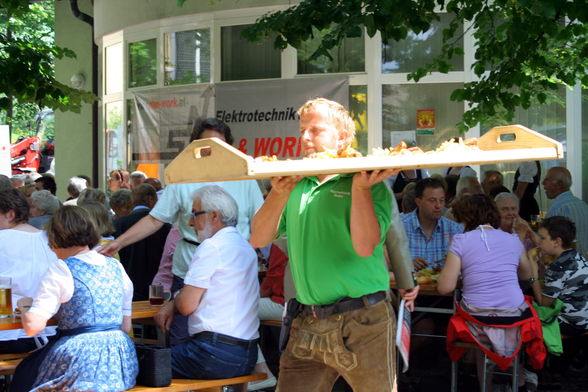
{"type": "Point", "coordinates": [531, 280]}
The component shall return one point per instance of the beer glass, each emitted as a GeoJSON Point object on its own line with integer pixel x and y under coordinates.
{"type": "Point", "coordinates": [5, 297]}
{"type": "Point", "coordinates": [534, 222]}
{"type": "Point", "coordinates": [156, 294]}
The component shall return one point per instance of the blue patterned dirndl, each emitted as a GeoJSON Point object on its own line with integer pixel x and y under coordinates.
{"type": "Point", "coordinates": [92, 353]}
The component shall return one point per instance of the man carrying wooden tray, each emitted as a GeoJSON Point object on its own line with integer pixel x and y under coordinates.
{"type": "Point", "coordinates": [342, 323]}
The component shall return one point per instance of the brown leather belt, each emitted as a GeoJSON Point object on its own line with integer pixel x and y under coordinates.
{"type": "Point", "coordinates": [343, 305]}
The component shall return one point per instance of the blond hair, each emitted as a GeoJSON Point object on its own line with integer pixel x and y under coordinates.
{"type": "Point", "coordinates": [99, 216]}
{"type": "Point", "coordinates": [336, 113]}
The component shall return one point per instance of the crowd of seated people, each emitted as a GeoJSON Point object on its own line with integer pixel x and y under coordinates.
{"type": "Point", "coordinates": [61, 253]}
{"type": "Point", "coordinates": [466, 252]}
{"type": "Point", "coordinates": [488, 254]}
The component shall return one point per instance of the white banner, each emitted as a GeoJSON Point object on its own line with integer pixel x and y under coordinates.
{"type": "Point", "coordinates": [261, 114]}
{"type": "Point", "coordinates": [5, 167]}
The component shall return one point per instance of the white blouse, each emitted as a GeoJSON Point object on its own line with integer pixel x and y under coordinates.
{"type": "Point", "coordinates": [57, 286]}
{"type": "Point", "coordinates": [25, 257]}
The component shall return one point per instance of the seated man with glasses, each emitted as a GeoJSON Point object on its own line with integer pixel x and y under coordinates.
{"type": "Point", "coordinates": [220, 295]}
{"type": "Point", "coordinates": [175, 205]}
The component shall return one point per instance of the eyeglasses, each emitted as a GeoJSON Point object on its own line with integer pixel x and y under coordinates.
{"type": "Point", "coordinates": [196, 213]}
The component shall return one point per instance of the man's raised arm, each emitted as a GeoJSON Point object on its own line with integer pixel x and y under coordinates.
{"type": "Point", "coordinates": [365, 229]}
{"type": "Point", "coordinates": [140, 230]}
{"type": "Point", "coordinates": [266, 222]}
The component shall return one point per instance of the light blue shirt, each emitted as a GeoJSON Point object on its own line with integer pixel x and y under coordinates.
{"type": "Point", "coordinates": [431, 249]}
{"type": "Point", "coordinates": [176, 205]}
{"type": "Point", "coordinates": [568, 205]}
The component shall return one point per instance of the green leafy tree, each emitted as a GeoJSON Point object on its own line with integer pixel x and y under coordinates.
{"type": "Point", "coordinates": [524, 49]}
{"type": "Point", "coordinates": [27, 56]}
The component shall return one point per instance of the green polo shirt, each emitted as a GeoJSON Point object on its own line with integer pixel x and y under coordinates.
{"type": "Point", "coordinates": [324, 265]}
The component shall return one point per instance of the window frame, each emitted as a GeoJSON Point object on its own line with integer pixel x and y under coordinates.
{"type": "Point", "coordinates": [372, 77]}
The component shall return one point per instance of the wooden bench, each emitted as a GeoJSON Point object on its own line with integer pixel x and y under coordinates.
{"type": "Point", "coordinates": [9, 362]}
{"type": "Point", "coordinates": [180, 385]}
{"type": "Point", "coordinates": [8, 366]}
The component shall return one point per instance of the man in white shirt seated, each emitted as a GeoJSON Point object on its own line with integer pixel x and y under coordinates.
{"type": "Point", "coordinates": [220, 295]}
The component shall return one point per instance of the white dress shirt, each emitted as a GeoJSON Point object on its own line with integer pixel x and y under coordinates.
{"type": "Point", "coordinates": [226, 266]}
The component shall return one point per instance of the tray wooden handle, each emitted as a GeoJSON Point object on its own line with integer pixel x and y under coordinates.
{"type": "Point", "coordinates": [513, 137]}
{"type": "Point", "coordinates": [211, 159]}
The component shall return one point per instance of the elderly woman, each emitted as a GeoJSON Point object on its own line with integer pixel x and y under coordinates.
{"type": "Point", "coordinates": [490, 262]}
{"type": "Point", "coordinates": [510, 221]}
{"type": "Point", "coordinates": [93, 194]}
{"type": "Point", "coordinates": [24, 256]}
{"type": "Point", "coordinates": [508, 208]}
{"type": "Point", "coordinates": [90, 295]}
{"type": "Point", "coordinates": [43, 205]}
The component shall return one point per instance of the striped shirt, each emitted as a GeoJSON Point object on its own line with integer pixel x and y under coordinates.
{"type": "Point", "coordinates": [431, 249]}
{"type": "Point", "coordinates": [568, 205]}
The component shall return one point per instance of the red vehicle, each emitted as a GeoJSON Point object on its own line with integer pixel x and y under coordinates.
{"type": "Point", "coordinates": [34, 153]}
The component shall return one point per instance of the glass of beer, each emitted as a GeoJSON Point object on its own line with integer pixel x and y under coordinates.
{"type": "Point", "coordinates": [156, 294]}
{"type": "Point", "coordinates": [5, 297]}
{"type": "Point", "coordinates": [534, 222]}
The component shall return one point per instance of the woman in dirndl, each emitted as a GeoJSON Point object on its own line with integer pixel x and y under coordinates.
{"type": "Point", "coordinates": [90, 295]}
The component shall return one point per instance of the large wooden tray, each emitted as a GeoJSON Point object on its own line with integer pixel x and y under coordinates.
{"type": "Point", "coordinates": [213, 160]}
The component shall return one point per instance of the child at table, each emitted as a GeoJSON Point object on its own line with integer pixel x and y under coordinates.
{"type": "Point", "coordinates": [90, 295]}
{"type": "Point", "coordinates": [565, 279]}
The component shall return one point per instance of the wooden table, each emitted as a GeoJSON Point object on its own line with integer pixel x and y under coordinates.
{"type": "Point", "coordinates": [429, 289]}
{"type": "Point", "coordinates": [425, 289]}
{"type": "Point", "coordinates": [141, 310]}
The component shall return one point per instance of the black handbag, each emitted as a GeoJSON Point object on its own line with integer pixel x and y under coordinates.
{"type": "Point", "coordinates": [154, 365]}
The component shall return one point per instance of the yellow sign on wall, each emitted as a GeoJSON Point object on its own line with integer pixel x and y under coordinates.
{"type": "Point", "coordinates": [425, 121]}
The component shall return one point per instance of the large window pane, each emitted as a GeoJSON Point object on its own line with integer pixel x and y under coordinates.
{"type": "Point", "coordinates": [114, 136]}
{"type": "Point", "coordinates": [358, 111]}
{"type": "Point", "coordinates": [143, 63]}
{"type": "Point", "coordinates": [242, 60]}
{"type": "Point", "coordinates": [404, 103]}
{"type": "Point", "coordinates": [114, 68]}
{"type": "Point", "coordinates": [187, 57]}
{"type": "Point", "coordinates": [349, 56]}
{"type": "Point", "coordinates": [418, 49]}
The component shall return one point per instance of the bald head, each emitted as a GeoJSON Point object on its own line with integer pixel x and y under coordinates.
{"type": "Point", "coordinates": [557, 180]}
